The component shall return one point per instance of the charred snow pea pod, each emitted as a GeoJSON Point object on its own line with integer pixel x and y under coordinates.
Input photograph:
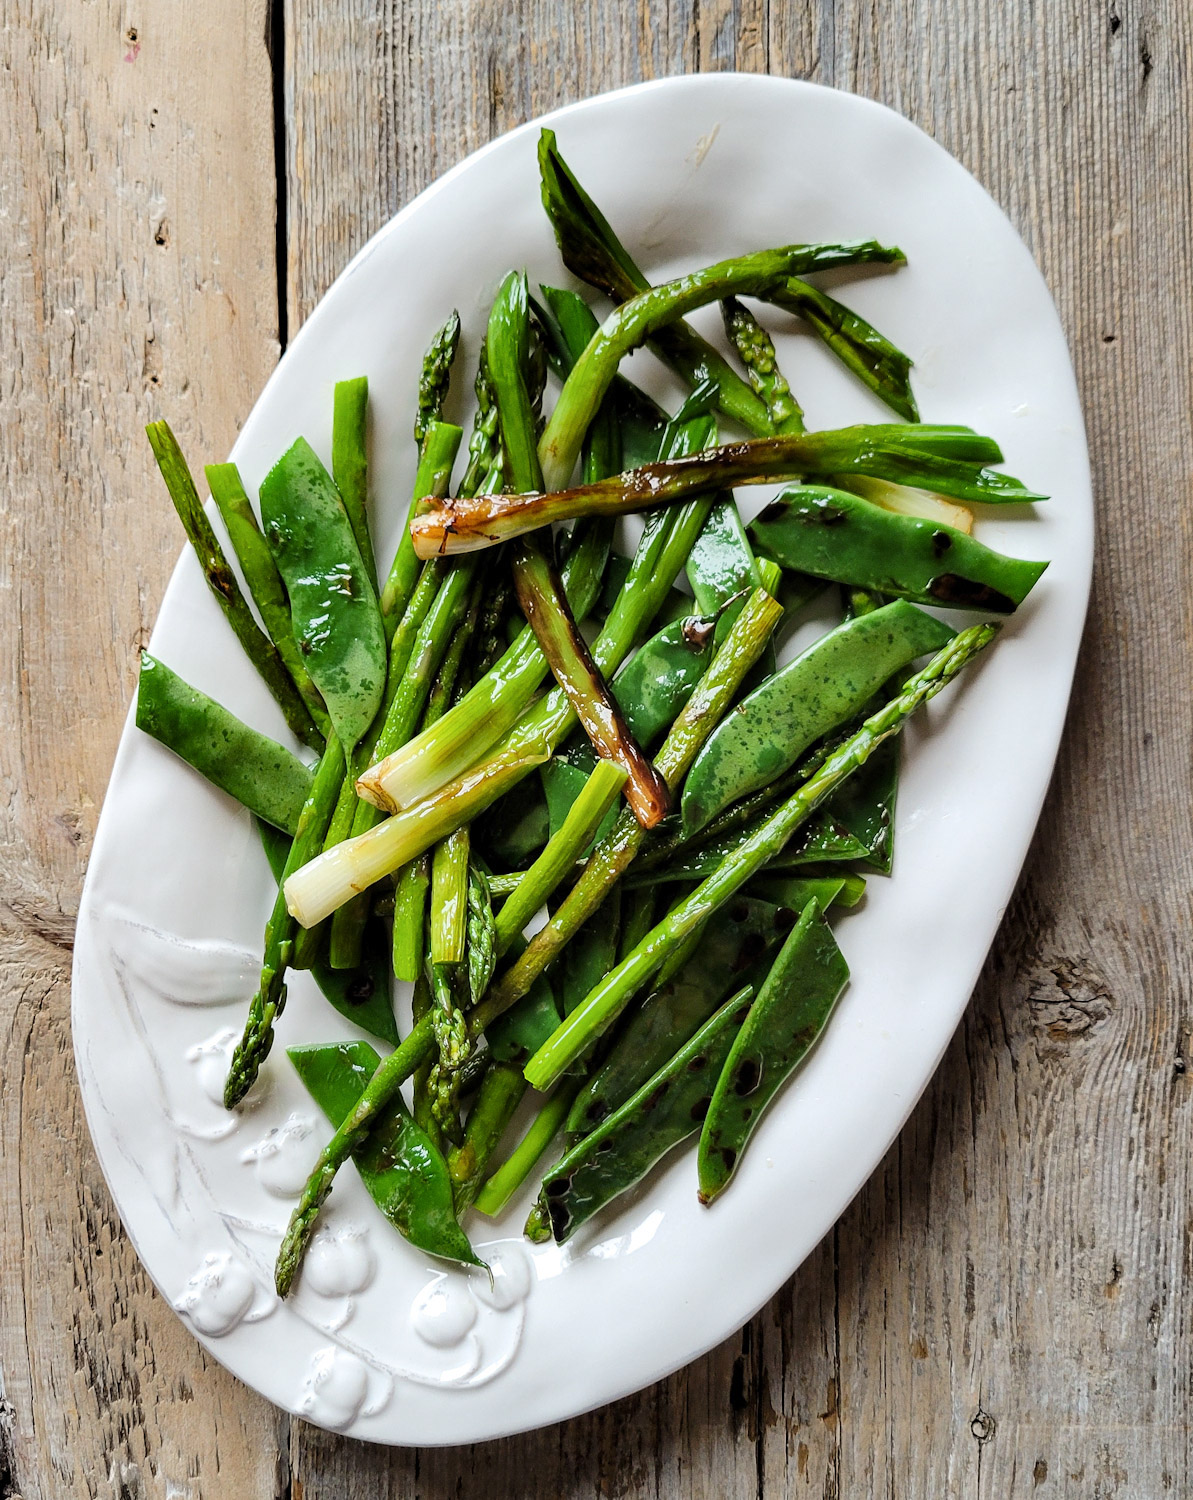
{"type": "Point", "coordinates": [399, 1164]}
{"type": "Point", "coordinates": [261, 774]}
{"type": "Point", "coordinates": [332, 600]}
{"type": "Point", "coordinates": [846, 539]}
{"type": "Point", "coordinates": [350, 462]}
{"type": "Point", "coordinates": [361, 995]}
{"type": "Point", "coordinates": [857, 344]}
{"type": "Point", "coordinates": [825, 687]}
{"type": "Point", "coordinates": [668, 1108]}
{"type": "Point", "coordinates": [657, 681]}
{"type": "Point", "coordinates": [791, 1011]}
{"type": "Point", "coordinates": [221, 580]}
{"type": "Point", "coordinates": [720, 963]}
{"type": "Point", "coordinates": [866, 803]}
{"type": "Point", "coordinates": [263, 579]}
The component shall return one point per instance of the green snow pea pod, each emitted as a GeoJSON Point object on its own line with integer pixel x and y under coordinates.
{"type": "Point", "coordinates": [592, 953]}
{"type": "Point", "coordinates": [261, 774]}
{"type": "Point", "coordinates": [337, 621]}
{"type": "Point", "coordinates": [846, 539]}
{"type": "Point", "coordinates": [826, 887]}
{"type": "Point", "coordinates": [661, 676]}
{"type": "Point", "coordinates": [513, 831]}
{"type": "Point", "coordinates": [791, 1011]}
{"type": "Point", "coordinates": [721, 564]}
{"type": "Point", "coordinates": [825, 687]}
{"type": "Point", "coordinates": [563, 778]}
{"type": "Point", "coordinates": [721, 962]}
{"type": "Point", "coordinates": [668, 1108]}
{"type": "Point", "coordinates": [520, 1031]}
{"type": "Point", "coordinates": [865, 806]}
{"type": "Point", "coordinates": [403, 1170]}
{"type": "Point", "coordinates": [361, 995]}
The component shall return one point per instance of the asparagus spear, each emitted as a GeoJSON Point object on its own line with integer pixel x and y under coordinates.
{"type": "Point", "coordinates": [948, 460]}
{"type": "Point", "coordinates": [270, 998]}
{"type": "Point", "coordinates": [264, 581]}
{"type": "Point", "coordinates": [579, 827]}
{"type": "Point", "coordinates": [221, 580]}
{"type": "Point", "coordinates": [605, 1003]}
{"type": "Point", "coordinates": [435, 376]}
{"type": "Point", "coordinates": [433, 457]}
{"type": "Point", "coordinates": [757, 352]}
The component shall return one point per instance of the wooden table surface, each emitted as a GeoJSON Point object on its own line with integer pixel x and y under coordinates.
{"type": "Point", "coordinates": [1004, 1311]}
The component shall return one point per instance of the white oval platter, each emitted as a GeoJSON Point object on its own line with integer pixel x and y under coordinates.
{"type": "Point", "coordinates": [378, 1341]}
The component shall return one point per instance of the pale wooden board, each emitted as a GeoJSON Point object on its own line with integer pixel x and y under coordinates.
{"type": "Point", "coordinates": [1003, 1312]}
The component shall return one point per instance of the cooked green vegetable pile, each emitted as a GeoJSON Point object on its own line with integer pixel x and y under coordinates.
{"type": "Point", "coordinates": [516, 718]}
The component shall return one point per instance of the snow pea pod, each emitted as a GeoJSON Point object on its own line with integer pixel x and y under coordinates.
{"type": "Point", "coordinates": [361, 995]}
{"type": "Point", "coordinates": [261, 774]}
{"type": "Point", "coordinates": [721, 962]}
{"type": "Point", "coordinates": [721, 564]}
{"type": "Point", "coordinates": [668, 1108]}
{"type": "Point", "coordinates": [822, 838]}
{"type": "Point", "coordinates": [825, 687]}
{"type": "Point", "coordinates": [404, 1172]}
{"type": "Point", "coordinates": [828, 888]}
{"type": "Point", "coordinates": [791, 1011]}
{"type": "Point", "coordinates": [662, 674]}
{"type": "Point", "coordinates": [846, 539]}
{"type": "Point", "coordinates": [333, 602]}
{"type": "Point", "coordinates": [865, 806]}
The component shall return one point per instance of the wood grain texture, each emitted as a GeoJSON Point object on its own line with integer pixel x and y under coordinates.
{"type": "Point", "coordinates": [138, 277]}
{"type": "Point", "coordinates": [1004, 1311]}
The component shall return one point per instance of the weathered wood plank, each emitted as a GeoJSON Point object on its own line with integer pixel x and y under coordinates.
{"type": "Point", "coordinates": [138, 278]}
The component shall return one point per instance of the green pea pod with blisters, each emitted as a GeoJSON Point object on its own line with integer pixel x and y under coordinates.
{"type": "Point", "coordinates": [362, 995]}
{"type": "Point", "coordinates": [333, 602]}
{"type": "Point", "coordinates": [845, 539]}
{"type": "Point", "coordinates": [261, 774]}
{"type": "Point", "coordinates": [826, 686]}
{"type": "Point", "coordinates": [721, 961]}
{"type": "Point", "coordinates": [668, 1108]}
{"type": "Point", "coordinates": [791, 1011]}
{"type": "Point", "coordinates": [404, 1172]}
